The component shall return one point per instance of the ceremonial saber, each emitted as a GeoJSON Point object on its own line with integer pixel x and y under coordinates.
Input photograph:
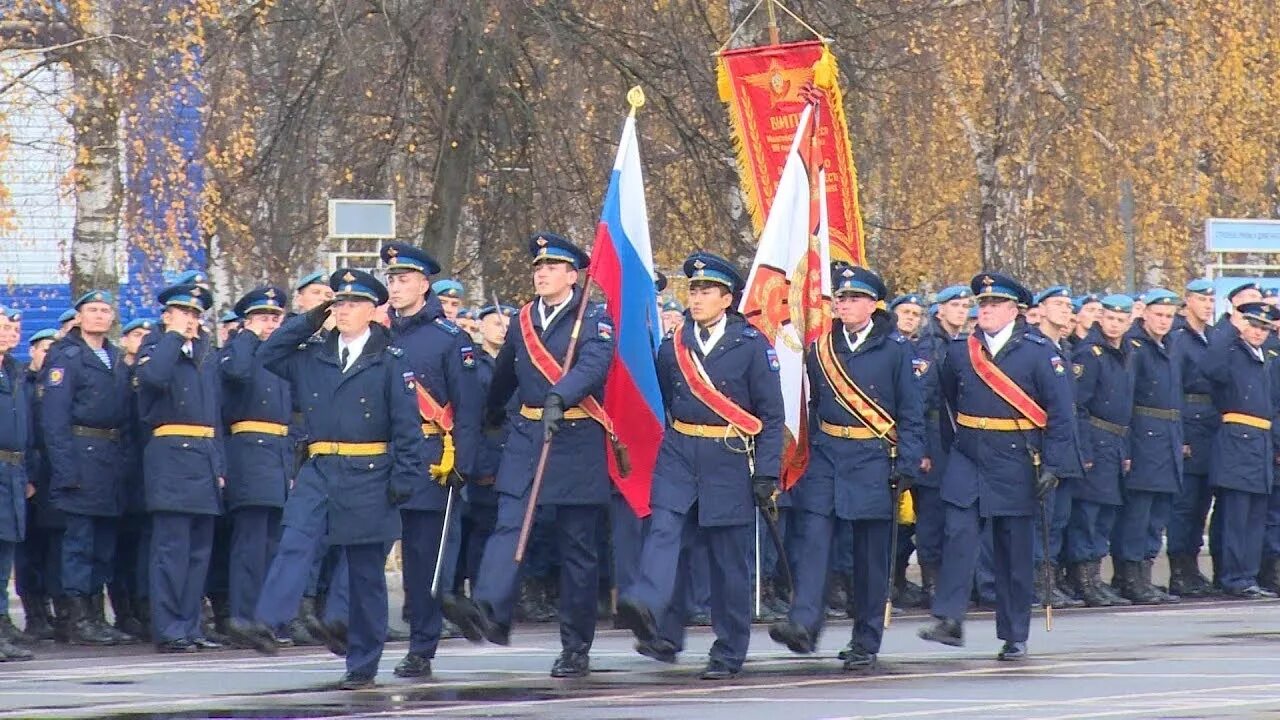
{"type": "Point", "coordinates": [444, 540]}
{"type": "Point", "coordinates": [759, 581]}
{"type": "Point", "coordinates": [896, 492]}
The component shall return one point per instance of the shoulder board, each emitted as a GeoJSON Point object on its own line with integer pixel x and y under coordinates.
{"type": "Point", "coordinates": [750, 331]}
{"type": "Point", "coordinates": [899, 338]}
{"type": "Point", "coordinates": [447, 325]}
{"type": "Point", "coordinates": [1272, 353]}
{"type": "Point", "coordinates": [302, 346]}
{"type": "Point", "coordinates": [1136, 343]}
{"type": "Point", "coordinates": [394, 351]}
{"type": "Point", "coordinates": [1097, 351]}
{"type": "Point", "coordinates": [1036, 338]}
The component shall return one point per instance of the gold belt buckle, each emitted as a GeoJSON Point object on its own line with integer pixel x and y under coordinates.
{"type": "Point", "coordinates": [846, 432]}
{"type": "Point", "coordinates": [982, 423]}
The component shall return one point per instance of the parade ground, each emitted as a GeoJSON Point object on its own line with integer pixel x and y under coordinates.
{"type": "Point", "coordinates": [1207, 660]}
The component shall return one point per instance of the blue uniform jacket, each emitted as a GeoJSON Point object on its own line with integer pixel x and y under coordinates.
{"type": "Point", "coordinates": [1200, 419]}
{"type": "Point", "coordinates": [37, 461]}
{"type": "Point", "coordinates": [87, 473]}
{"type": "Point", "coordinates": [850, 477]}
{"type": "Point", "coordinates": [1104, 391]}
{"type": "Point", "coordinates": [1239, 382]}
{"type": "Point", "coordinates": [15, 436]}
{"type": "Point", "coordinates": [181, 473]}
{"type": "Point", "coordinates": [259, 465]}
{"type": "Point", "coordinates": [375, 400]}
{"type": "Point", "coordinates": [710, 471]}
{"type": "Point", "coordinates": [1155, 444]}
{"type": "Point", "coordinates": [444, 360]}
{"type": "Point", "coordinates": [492, 440]}
{"type": "Point", "coordinates": [135, 487]}
{"type": "Point", "coordinates": [994, 468]}
{"type": "Point", "coordinates": [577, 472]}
{"type": "Point", "coordinates": [939, 415]}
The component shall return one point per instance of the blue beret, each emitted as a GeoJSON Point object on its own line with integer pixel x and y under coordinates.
{"type": "Point", "coordinates": [66, 316]}
{"type": "Point", "coordinates": [464, 313]}
{"type": "Point", "coordinates": [933, 309]}
{"type": "Point", "coordinates": [403, 257]}
{"type": "Point", "coordinates": [1051, 292]}
{"type": "Point", "coordinates": [315, 278]}
{"type": "Point", "coordinates": [193, 277]}
{"type": "Point", "coordinates": [1200, 286]}
{"type": "Point", "coordinates": [264, 299]}
{"type": "Point", "coordinates": [906, 300]}
{"type": "Point", "coordinates": [228, 317]}
{"type": "Point", "coordinates": [95, 296]}
{"type": "Point", "coordinates": [134, 324]}
{"type": "Point", "coordinates": [186, 295]}
{"type": "Point", "coordinates": [849, 279]}
{"type": "Point", "coordinates": [672, 305]}
{"type": "Point", "coordinates": [706, 267]}
{"type": "Point", "coordinates": [352, 284]}
{"type": "Point", "coordinates": [549, 246]}
{"type": "Point", "coordinates": [1241, 288]}
{"type": "Point", "coordinates": [973, 313]}
{"type": "Point", "coordinates": [659, 281]}
{"type": "Point", "coordinates": [1256, 311]}
{"type": "Point", "coordinates": [45, 334]}
{"type": "Point", "coordinates": [447, 288]}
{"type": "Point", "coordinates": [995, 285]}
{"type": "Point", "coordinates": [491, 309]}
{"type": "Point", "coordinates": [1117, 303]}
{"type": "Point", "coordinates": [1081, 300]}
{"type": "Point", "coordinates": [953, 292]}
{"type": "Point", "coordinates": [1160, 296]}
{"type": "Point", "coordinates": [14, 314]}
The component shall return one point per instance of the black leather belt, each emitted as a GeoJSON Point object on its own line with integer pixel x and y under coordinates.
{"type": "Point", "coordinates": [112, 434]}
{"type": "Point", "coordinates": [1110, 427]}
{"type": "Point", "coordinates": [1157, 413]}
{"type": "Point", "coordinates": [1197, 399]}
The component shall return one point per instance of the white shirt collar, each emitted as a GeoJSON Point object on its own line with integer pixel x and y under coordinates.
{"type": "Point", "coordinates": [546, 317]}
{"type": "Point", "coordinates": [855, 341]}
{"type": "Point", "coordinates": [717, 332]}
{"type": "Point", "coordinates": [996, 342]}
{"type": "Point", "coordinates": [356, 347]}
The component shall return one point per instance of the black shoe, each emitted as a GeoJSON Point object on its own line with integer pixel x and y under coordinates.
{"type": "Point", "coordinates": [298, 633]}
{"type": "Point", "coordinates": [945, 631]}
{"type": "Point", "coordinates": [659, 650]}
{"type": "Point", "coordinates": [253, 635]}
{"type": "Point", "coordinates": [335, 638]}
{"type": "Point", "coordinates": [1185, 579]}
{"type": "Point", "coordinates": [638, 619]}
{"type": "Point", "coordinates": [39, 625]}
{"type": "Point", "coordinates": [698, 619]}
{"type": "Point", "coordinates": [355, 682]}
{"type": "Point", "coordinates": [857, 658]}
{"type": "Point", "coordinates": [1012, 652]}
{"type": "Point", "coordinates": [397, 635]}
{"type": "Point", "coordinates": [848, 651]}
{"type": "Point", "coordinates": [181, 645]}
{"type": "Point", "coordinates": [10, 632]}
{"type": "Point", "coordinates": [84, 631]}
{"type": "Point", "coordinates": [571, 665]}
{"type": "Point", "coordinates": [466, 614]}
{"type": "Point", "coordinates": [796, 638]}
{"type": "Point", "coordinates": [717, 670]}
{"type": "Point", "coordinates": [1253, 592]}
{"type": "Point", "coordinates": [311, 621]}
{"type": "Point", "coordinates": [414, 666]}
{"type": "Point", "coordinates": [204, 643]}
{"type": "Point", "coordinates": [449, 631]}
{"type": "Point", "coordinates": [118, 637]}
{"type": "Point", "coordinates": [9, 652]}
{"type": "Point", "coordinates": [283, 641]}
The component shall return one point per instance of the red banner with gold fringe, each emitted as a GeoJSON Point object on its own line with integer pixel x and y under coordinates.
{"type": "Point", "coordinates": [764, 90]}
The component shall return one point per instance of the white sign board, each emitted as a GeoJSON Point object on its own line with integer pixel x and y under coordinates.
{"type": "Point", "coordinates": [1223, 235]}
{"type": "Point", "coordinates": [362, 219]}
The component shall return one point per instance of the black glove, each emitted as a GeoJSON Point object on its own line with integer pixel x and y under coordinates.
{"type": "Point", "coordinates": [455, 480]}
{"type": "Point", "coordinates": [900, 481]}
{"type": "Point", "coordinates": [552, 415]}
{"type": "Point", "coordinates": [494, 417]}
{"type": "Point", "coordinates": [763, 487]}
{"type": "Point", "coordinates": [398, 496]}
{"type": "Point", "coordinates": [316, 315]}
{"type": "Point", "coordinates": [1045, 484]}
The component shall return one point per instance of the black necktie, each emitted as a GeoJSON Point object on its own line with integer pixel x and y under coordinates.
{"type": "Point", "coordinates": [704, 334]}
{"type": "Point", "coordinates": [346, 355]}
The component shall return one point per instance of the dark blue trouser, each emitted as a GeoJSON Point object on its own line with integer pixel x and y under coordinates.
{"type": "Point", "coordinates": [984, 574]}
{"type": "Point", "coordinates": [1271, 544]}
{"type": "Point", "coordinates": [218, 580]}
{"type": "Point", "coordinates": [930, 524]}
{"type": "Point", "coordinates": [133, 540]}
{"type": "Point", "coordinates": [7, 552]}
{"type": "Point", "coordinates": [696, 578]}
{"type": "Point", "coordinates": [88, 554]}
{"type": "Point", "coordinates": [1244, 517]}
{"type": "Point", "coordinates": [477, 526]}
{"type": "Point", "coordinates": [419, 546]}
{"type": "Point", "coordinates": [255, 533]}
{"type": "Point", "coordinates": [575, 532]}
{"type": "Point", "coordinates": [628, 537]}
{"type": "Point", "coordinates": [1141, 517]}
{"type": "Point", "coordinates": [34, 563]}
{"type": "Point", "coordinates": [1089, 530]}
{"type": "Point", "coordinates": [1012, 565]}
{"type": "Point", "coordinates": [729, 549]}
{"type": "Point", "coordinates": [1190, 511]}
{"type": "Point", "coordinates": [1058, 505]}
{"type": "Point", "coordinates": [366, 582]}
{"type": "Point", "coordinates": [870, 561]}
{"type": "Point", "coordinates": [180, 548]}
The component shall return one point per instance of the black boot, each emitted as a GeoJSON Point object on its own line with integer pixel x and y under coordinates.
{"type": "Point", "coordinates": [36, 608]}
{"type": "Point", "coordinates": [127, 620]}
{"type": "Point", "coordinates": [309, 615]}
{"type": "Point", "coordinates": [142, 611]}
{"type": "Point", "coordinates": [1095, 577]}
{"type": "Point", "coordinates": [797, 639]}
{"type": "Point", "coordinates": [1269, 577]}
{"type": "Point", "coordinates": [297, 627]}
{"type": "Point", "coordinates": [769, 605]}
{"type": "Point", "coordinates": [98, 603]}
{"type": "Point", "coordinates": [928, 582]}
{"type": "Point", "coordinates": [571, 665]}
{"type": "Point", "coordinates": [1185, 578]}
{"type": "Point", "coordinates": [945, 631]}
{"type": "Point", "coordinates": [1164, 596]}
{"type": "Point", "coordinates": [215, 626]}
{"type": "Point", "coordinates": [62, 619]}
{"type": "Point", "coordinates": [1135, 588]}
{"type": "Point", "coordinates": [84, 631]}
{"type": "Point", "coordinates": [906, 594]}
{"type": "Point", "coordinates": [10, 632]}
{"type": "Point", "coordinates": [1083, 582]}
{"type": "Point", "coordinates": [10, 652]}
{"type": "Point", "coordinates": [1058, 597]}
{"type": "Point", "coordinates": [837, 596]}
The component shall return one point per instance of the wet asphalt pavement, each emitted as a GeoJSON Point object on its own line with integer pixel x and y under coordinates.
{"type": "Point", "coordinates": [1204, 660]}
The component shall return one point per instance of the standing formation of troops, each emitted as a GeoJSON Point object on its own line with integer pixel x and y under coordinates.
{"type": "Point", "coordinates": [249, 490]}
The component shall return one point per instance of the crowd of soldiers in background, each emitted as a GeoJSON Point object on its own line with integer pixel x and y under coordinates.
{"type": "Point", "coordinates": [70, 545]}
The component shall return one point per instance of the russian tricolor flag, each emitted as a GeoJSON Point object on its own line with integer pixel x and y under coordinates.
{"type": "Point", "coordinates": [622, 265]}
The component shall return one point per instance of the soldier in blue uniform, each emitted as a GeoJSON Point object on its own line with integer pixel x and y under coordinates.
{"type": "Point", "coordinates": [1009, 449]}
{"type": "Point", "coordinates": [1241, 464]}
{"type": "Point", "coordinates": [256, 409]}
{"type": "Point", "coordinates": [1088, 308]}
{"type": "Point", "coordinates": [37, 562]}
{"type": "Point", "coordinates": [947, 324]}
{"type": "Point", "coordinates": [1192, 332]}
{"type": "Point", "coordinates": [908, 313]}
{"type": "Point", "coordinates": [721, 450]}
{"type": "Point", "coordinates": [576, 483]}
{"type": "Point", "coordinates": [130, 586]}
{"type": "Point", "coordinates": [1155, 443]}
{"type": "Point", "coordinates": [86, 407]}
{"type": "Point", "coordinates": [183, 464]}
{"type": "Point", "coordinates": [449, 294]}
{"type": "Point", "coordinates": [444, 359]}
{"type": "Point", "coordinates": [1104, 406]}
{"type": "Point", "coordinates": [16, 441]}
{"type": "Point", "coordinates": [66, 321]}
{"type": "Point", "coordinates": [366, 450]}
{"type": "Point", "coordinates": [868, 444]}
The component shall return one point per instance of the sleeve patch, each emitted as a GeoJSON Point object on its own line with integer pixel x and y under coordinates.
{"type": "Point", "coordinates": [604, 330]}
{"type": "Point", "coordinates": [56, 376]}
{"type": "Point", "coordinates": [1059, 367]}
{"type": "Point", "coordinates": [919, 366]}
{"type": "Point", "coordinates": [468, 356]}
{"type": "Point", "coordinates": [410, 382]}
{"type": "Point", "coordinates": [1097, 351]}
{"type": "Point", "coordinates": [1078, 369]}
{"type": "Point", "coordinates": [772, 356]}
